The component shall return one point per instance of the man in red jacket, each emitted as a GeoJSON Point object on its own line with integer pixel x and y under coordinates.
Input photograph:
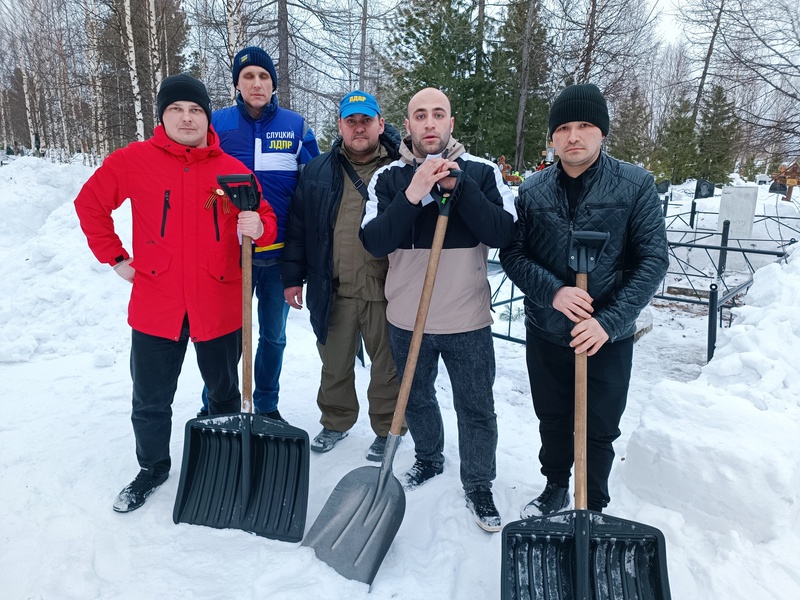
{"type": "Point", "coordinates": [185, 271]}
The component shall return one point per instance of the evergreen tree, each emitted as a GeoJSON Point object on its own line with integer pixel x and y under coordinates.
{"type": "Point", "coordinates": [675, 154]}
{"type": "Point", "coordinates": [628, 138]}
{"type": "Point", "coordinates": [717, 137]}
{"type": "Point", "coordinates": [432, 45]}
{"type": "Point", "coordinates": [507, 71]}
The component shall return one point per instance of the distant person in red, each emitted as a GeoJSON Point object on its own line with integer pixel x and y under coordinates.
{"type": "Point", "coordinates": [185, 272]}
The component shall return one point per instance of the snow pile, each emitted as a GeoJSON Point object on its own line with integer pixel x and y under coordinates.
{"type": "Point", "coordinates": [728, 433]}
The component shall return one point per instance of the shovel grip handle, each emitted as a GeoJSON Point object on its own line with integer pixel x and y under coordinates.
{"type": "Point", "coordinates": [247, 324]}
{"type": "Point", "coordinates": [581, 494]}
{"type": "Point", "coordinates": [419, 325]}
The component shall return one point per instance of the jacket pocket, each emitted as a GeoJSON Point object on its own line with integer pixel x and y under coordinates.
{"type": "Point", "coordinates": [152, 260]}
{"type": "Point", "coordinates": [224, 266]}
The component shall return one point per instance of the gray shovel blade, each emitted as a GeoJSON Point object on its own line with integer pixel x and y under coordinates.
{"type": "Point", "coordinates": [358, 523]}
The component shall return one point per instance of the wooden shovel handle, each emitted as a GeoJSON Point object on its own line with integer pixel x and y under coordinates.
{"type": "Point", "coordinates": [247, 324]}
{"type": "Point", "coordinates": [419, 325]}
{"type": "Point", "coordinates": [581, 497]}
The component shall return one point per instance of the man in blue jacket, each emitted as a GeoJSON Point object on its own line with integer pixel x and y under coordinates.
{"type": "Point", "coordinates": [587, 190]}
{"type": "Point", "coordinates": [274, 143]}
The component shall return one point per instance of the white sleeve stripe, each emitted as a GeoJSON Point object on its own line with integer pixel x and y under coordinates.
{"type": "Point", "coordinates": [372, 204]}
{"type": "Point", "coordinates": [508, 198]}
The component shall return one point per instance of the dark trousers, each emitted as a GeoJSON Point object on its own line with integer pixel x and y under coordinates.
{"type": "Point", "coordinates": [551, 369]}
{"type": "Point", "coordinates": [155, 366]}
{"type": "Point", "coordinates": [469, 358]}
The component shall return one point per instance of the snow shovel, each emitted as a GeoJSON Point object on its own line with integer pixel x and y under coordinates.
{"type": "Point", "coordinates": [244, 471]}
{"type": "Point", "coordinates": [358, 523]}
{"type": "Point", "coordinates": [582, 554]}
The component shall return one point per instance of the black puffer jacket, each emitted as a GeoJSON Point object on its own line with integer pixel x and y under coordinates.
{"type": "Point", "coordinates": [619, 198]}
{"type": "Point", "coordinates": [308, 253]}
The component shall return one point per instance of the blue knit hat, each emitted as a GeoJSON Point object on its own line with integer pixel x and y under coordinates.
{"type": "Point", "coordinates": [253, 55]}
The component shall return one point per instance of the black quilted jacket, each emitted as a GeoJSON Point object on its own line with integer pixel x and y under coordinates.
{"type": "Point", "coordinates": [619, 198]}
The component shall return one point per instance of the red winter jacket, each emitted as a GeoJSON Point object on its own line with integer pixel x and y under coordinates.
{"type": "Point", "coordinates": [185, 248]}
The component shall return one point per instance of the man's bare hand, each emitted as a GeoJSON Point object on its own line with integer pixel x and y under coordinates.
{"type": "Point", "coordinates": [588, 336]}
{"type": "Point", "coordinates": [249, 224]}
{"type": "Point", "coordinates": [125, 270]}
{"type": "Point", "coordinates": [574, 302]}
{"type": "Point", "coordinates": [428, 174]}
{"type": "Point", "coordinates": [294, 296]}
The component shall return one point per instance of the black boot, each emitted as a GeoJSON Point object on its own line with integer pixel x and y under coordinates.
{"type": "Point", "coordinates": [136, 492]}
{"type": "Point", "coordinates": [553, 499]}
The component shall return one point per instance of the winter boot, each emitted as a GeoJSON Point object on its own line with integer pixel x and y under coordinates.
{"type": "Point", "coordinates": [420, 473]}
{"type": "Point", "coordinates": [481, 503]}
{"type": "Point", "coordinates": [274, 415]}
{"type": "Point", "coordinates": [136, 492]}
{"type": "Point", "coordinates": [553, 499]}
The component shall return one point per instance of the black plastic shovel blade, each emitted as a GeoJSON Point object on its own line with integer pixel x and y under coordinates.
{"type": "Point", "coordinates": [358, 523]}
{"type": "Point", "coordinates": [583, 555]}
{"type": "Point", "coordinates": [245, 472]}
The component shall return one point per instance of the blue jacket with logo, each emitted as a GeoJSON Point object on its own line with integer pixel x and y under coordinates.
{"type": "Point", "coordinates": [274, 147]}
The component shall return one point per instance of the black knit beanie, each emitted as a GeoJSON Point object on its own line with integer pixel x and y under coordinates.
{"type": "Point", "coordinates": [177, 88]}
{"type": "Point", "coordinates": [253, 55]}
{"type": "Point", "coordinates": [582, 102]}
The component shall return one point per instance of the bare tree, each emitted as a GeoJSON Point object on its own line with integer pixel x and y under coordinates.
{"type": "Point", "coordinates": [128, 38]}
{"type": "Point", "coordinates": [524, 83]}
{"type": "Point", "coordinates": [601, 41]}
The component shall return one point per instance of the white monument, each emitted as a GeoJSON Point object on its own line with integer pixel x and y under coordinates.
{"type": "Point", "coordinates": [737, 205]}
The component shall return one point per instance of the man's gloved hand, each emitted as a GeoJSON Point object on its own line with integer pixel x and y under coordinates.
{"type": "Point", "coordinates": [125, 270]}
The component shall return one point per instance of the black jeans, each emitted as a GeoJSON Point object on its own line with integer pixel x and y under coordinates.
{"type": "Point", "coordinates": [551, 369]}
{"type": "Point", "coordinates": [155, 366]}
{"type": "Point", "coordinates": [469, 358]}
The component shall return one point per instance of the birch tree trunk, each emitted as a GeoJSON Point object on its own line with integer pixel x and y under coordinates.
{"type": "Point", "coordinates": [137, 95]}
{"type": "Point", "coordinates": [95, 91]}
{"type": "Point", "coordinates": [362, 56]}
{"type": "Point", "coordinates": [284, 91]}
{"type": "Point", "coordinates": [591, 34]}
{"type": "Point", "coordinates": [155, 54]}
{"type": "Point", "coordinates": [26, 92]}
{"type": "Point", "coordinates": [3, 118]}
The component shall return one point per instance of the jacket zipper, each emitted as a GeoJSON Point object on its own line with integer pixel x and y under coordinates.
{"type": "Point", "coordinates": [216, 221]}
{"type": "Point", "coordinates": [164, 214]}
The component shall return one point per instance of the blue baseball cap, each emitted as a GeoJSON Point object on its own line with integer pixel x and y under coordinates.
{"type": "Point", "coordinates": [358, 102]}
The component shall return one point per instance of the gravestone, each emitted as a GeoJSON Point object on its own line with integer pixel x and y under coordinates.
{"type": "Point", "coordinates": [737, 205]}
{"type": "Point", "coordinates": [762, 179]}
{"type": "Point", "coordinates": [662, 187]}
{"type": "Point", "coordinates": [778, 188]}
{"type": "Point", "coordinates": [703, 189]}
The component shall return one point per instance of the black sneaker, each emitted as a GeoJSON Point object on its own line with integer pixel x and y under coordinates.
{"type": "Point", "coordinates": [202, 413]}
{"type": "Point", "coordinates": [136, 492]}
{"type": "Point", "coordinates": [553, 499]}
{"type": "Point", "coordinates": [481, 503]}
{"type": "Point", "coordinates": [420, 473]}
{"type": "Point", "coordinates": [274, 415]}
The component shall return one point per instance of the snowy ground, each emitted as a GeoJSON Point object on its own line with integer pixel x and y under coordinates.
{"type": "Point", "coordinates": [708, 453]}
